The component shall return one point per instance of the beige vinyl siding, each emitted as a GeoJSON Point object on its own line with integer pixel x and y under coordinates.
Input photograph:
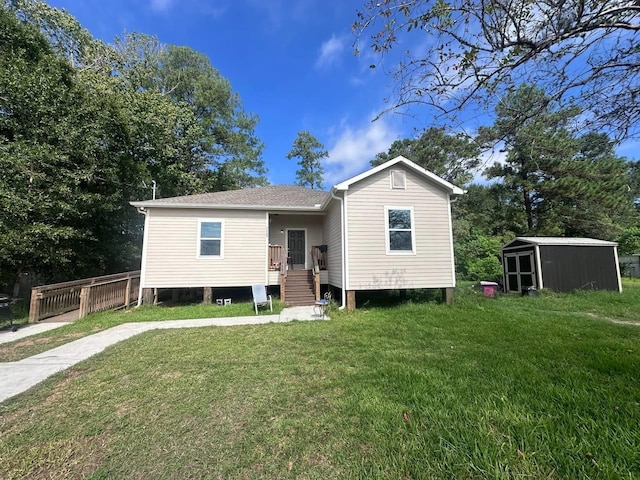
{"type": "Point", "coordinates": [370, 267]}
{"type": "Point", "coordinates": [333, 240]}
{"type": "Point", "coordinates": [274, 277]}
{"type": "Point", "coordinates": [172, 246]}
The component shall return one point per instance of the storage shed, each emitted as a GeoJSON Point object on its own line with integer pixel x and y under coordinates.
{"type": "Point", "coordinates": [560, 264]}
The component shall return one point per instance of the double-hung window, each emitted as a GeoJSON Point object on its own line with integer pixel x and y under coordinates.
{"type": "Point", "coordinates": [210, 238]}
{"type": "Point", "coordinates": [400, 231]}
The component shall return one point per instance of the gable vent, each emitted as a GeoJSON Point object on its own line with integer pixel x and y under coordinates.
{"type": "Point", "coordinates": [398, 179]}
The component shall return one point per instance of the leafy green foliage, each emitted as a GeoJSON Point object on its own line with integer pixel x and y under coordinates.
{"type": "Point", "coordinates": [310, 152]}
{"type": "Point", "coordinates": [38, 125]}
{"type": "Point", "coordinates": [86, 127]}
{"type": "Point", "coordinates": [629, 241]}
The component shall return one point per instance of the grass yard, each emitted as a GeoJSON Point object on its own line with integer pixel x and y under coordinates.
{"type": "Point", "coordinates": [522, 387]}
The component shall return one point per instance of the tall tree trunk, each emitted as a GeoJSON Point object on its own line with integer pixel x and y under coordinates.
{"type": "Point", "coordinates": [528, 209]}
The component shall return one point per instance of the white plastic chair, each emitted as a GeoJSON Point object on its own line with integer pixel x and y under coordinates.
{"type": "Point", "coordinates": [260, 297]}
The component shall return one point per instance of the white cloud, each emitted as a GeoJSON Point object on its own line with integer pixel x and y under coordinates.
{"type": "Point", "coordinates": [330, 51]}
{"type": "Point", "coordinates": [355, 147]}
{"type": "Point", "coordinates": [161, 5]}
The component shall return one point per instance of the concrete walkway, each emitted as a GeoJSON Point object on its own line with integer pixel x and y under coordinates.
{"type": "Point", "coordinates": [7, 336]}
{"type": "Point", "coordinates": [17, 377]}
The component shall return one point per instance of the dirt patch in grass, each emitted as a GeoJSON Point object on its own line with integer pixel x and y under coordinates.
{"type": "Point", "coordinates": [12, 352]}
{"type": "Point", "coordinates": [42, 340]}
{"type": "Point", "coordinates": [67, 458]}
{"type": "Point", "coordinates": [60, 387]}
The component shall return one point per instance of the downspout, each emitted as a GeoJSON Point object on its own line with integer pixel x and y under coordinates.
{"type": "Point", "coordinates": [452, 200]}
{"type": "Point", "coordinates": [143, 260]}
{"type": "Point", "coordinates": [343, 296]}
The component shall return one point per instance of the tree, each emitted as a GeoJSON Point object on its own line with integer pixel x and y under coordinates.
{"type": "Point", "coordinates": [629, 241]}
{"type": "Point", "coordinates": [66, 36]}
{"type": "Point", "coordinates": [634, 182]}
{"type": "Point", "coordinates": [582, 53]}
{"type": "Point", "coordinates": [310, 151]}
{"type": "Point", "coordinates": [229, 144]}
{"type": "Point", "coordinates": [482, 224]}
{"type": "Point", "coordinates": [83, 130]}
{"type": "Point", "coordinates": [565, 185]}
{"type": "Point", "coordinates": [453, 157]}
{"type": "Point", "coordinates": [45, 192]}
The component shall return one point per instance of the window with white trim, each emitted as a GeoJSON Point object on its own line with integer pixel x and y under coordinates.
{"type": "Point", "coordinates": [400, 231]}
{"type": "Point", "coordinates": [210, 238]}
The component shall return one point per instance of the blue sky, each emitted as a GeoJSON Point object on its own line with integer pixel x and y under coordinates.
{"type": "Point", "coordinates": [292, 64]}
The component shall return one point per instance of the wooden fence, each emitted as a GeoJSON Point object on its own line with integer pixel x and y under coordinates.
{"type": "Point", "coordinates": [56, 299]}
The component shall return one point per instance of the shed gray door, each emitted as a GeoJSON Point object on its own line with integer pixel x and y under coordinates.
{"type": "Point", "coordinates": [297, 248]}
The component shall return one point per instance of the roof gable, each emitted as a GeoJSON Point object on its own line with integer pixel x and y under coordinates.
{"type": "Point", "coordinates": [440, 182]}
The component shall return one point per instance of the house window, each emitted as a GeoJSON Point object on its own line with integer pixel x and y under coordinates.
{"type": "Point", "coordinates": [400, 230]}
{"type": "Point", "coordinates": [398, 179]}
{"type": "Point", "coordinates": [210, 238]}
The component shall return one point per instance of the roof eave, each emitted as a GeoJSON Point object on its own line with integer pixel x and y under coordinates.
{"type": "Point", "coordinates": [590, 243]}
{"type": "Point", "coordinates": [157, 204]}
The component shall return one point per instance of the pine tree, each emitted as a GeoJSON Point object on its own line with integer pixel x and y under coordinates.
{"type": "Point", "coordinates": [310, 151]}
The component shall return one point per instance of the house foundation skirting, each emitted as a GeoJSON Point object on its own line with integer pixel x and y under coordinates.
{"type": "Point", "coordinates": [447, 297]}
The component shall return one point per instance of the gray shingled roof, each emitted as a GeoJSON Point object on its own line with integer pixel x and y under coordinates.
{"type": "Point", "coordinates": [277, 196]}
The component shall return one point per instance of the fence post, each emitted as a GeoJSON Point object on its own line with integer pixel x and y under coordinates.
{"type": "Point", "coordinates": [34, 305]}
{"type": "Point", "coordinates": [85, 298]}
{"type": "Point", "coordinates": [127, 293]}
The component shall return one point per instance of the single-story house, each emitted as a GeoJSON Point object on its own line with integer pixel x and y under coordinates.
{"type": "Point", "coordinates": [387, 228]}
{"type": "Point", "coordinates": [560, 264]}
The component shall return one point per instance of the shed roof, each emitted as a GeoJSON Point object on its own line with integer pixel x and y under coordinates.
{"type": "Point", "coordinates": [573, 241]}
{"type": "Point", "coordinates": [286, 197]}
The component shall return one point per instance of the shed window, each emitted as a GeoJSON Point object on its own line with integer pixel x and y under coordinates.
{"type": "Point", "coordinates": [398, 179]}
{"type": "Point", "coordinates": [210, 238]}
{"type": "Point", "coordinates": [400, 230]}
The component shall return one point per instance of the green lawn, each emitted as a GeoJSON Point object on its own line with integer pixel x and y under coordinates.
{"type": "Point", "coordinates": [521, 387]}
